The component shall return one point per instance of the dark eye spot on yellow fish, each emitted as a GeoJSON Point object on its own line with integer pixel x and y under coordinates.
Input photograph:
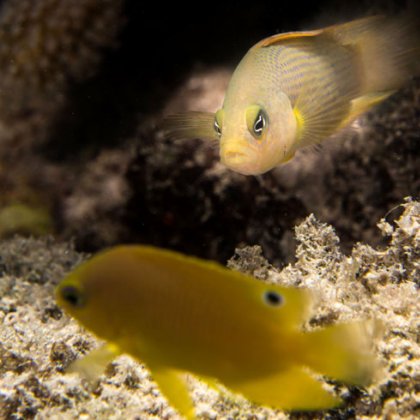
{"type": "Point", "coordinates": [72, 295]}
{"type": "Point", "coordinates": [272, 298]}
{"type": "Point", "coordinates": [180, 314]}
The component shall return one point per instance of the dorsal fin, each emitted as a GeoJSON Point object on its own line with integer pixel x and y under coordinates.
{"type": "Point", "coordinates": [344, 33]}
{"type": "Point", "coordinates": [351, 33]}
{"type": "Point", "coordinates": [279, 38]}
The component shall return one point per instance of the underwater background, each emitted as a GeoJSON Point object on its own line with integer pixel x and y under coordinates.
{"type": "Point", "coordinates": [84, 165]}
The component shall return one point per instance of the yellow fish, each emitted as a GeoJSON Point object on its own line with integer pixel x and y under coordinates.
{"type": "Point", "coordinates": [180, 314]}
{"type": "Point", "coordinates": [296, 89]}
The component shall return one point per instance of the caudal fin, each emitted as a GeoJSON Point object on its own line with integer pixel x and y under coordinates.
{"type": "Point", "coordinates": [342, 352]}
{"type": "Point", "coordinates": [387, 50]}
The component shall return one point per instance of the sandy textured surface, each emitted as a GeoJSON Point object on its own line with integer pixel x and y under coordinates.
{"type": "Point", "coordinates": [37, 341]}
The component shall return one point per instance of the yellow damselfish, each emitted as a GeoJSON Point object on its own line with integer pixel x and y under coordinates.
{"type": "Point", "coordinates": [296, 89]}
{"type": "Point", "coordinates": [180, 314]}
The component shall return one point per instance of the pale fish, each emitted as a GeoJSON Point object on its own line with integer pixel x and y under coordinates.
{"type": "Point", "coordinates": [296, 89]}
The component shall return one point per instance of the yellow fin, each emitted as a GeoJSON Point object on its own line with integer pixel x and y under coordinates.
{"type": "Point", "coordinates": [342, 352]}
{"type": "Point", "coordinates": [190, 125]}
{"type": "Point", "coordinates": [316, 123]}
{"type": "Point", "coordinates": [279, 38]}
{"type": "Point", "coordinates": [173, 386]}
{"type": "Point", "coordinates": [363, 104]}
{"type": "Point", "coordinates": [292, 389]}
{"type": "Point", "coordinates": [212, 383]}
{"type": "Point", "coordinates": [94, 363]}
{"type": "Point", "coordinates": [344, 33]}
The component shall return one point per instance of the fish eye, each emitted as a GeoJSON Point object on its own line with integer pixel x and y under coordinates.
{"type": "Point", "coordinates": [273, 298]}
{"type": "Point", "coordinates": [259, 124]}
{"type": "Point", "coordinates": [72, 296]}
{"type": "Point", "coordinates": [218, 122]}
{"type": "Point", "coordinates": [257, 121]}
{"type": "Point", "coordinates": [217, 128]}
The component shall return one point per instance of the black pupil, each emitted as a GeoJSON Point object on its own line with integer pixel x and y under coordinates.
{"type": "Point", "coordinates": [71, 295]}
{"type": "Point", "coordinates": [259, 124]}
{"type": "Point", "coordinates": [273, 298]}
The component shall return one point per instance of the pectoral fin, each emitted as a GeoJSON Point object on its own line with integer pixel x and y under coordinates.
{"type": "Point", "coordinates": [173, 386]}
{"type": "Point", "coordinates": [190, 125]}
{"type": "Point", "coordinates": [94, 363]}
{"type": "Point", "coordinates": [292, 389]}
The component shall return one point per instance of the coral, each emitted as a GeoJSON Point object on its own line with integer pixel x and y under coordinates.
{"type": "Point", "coordinates": [44, 46]}
{"type": "Point", "coordinates": [38, 341]}
{"type": "Point", "coordinates": [98, 201]}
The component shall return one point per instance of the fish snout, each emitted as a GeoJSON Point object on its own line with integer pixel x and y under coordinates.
{"type": "Point", "coordinates": [238, 157]}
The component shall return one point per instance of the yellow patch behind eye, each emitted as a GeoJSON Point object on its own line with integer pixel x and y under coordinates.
{"type": "Point", "coordinates": [300, 121]}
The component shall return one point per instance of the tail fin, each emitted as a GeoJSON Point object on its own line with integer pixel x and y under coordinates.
{"type": "Point", "coordinates": [342, 352]}
{"type": "Point", "coordinates": [388, 49]}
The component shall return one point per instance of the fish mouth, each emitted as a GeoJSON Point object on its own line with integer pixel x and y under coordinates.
{"type": "Point", "coordinates": [238, 161]}
{"type": "Point", "coordinates": [234, 155]}
{"type": "Point", "coordinates": [234, 158]}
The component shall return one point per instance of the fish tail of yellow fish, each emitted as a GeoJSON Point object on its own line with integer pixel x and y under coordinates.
{"type": "Point", "coordinates": [387, 49]}
{"type": "Point", "coordinates": [343, 352]}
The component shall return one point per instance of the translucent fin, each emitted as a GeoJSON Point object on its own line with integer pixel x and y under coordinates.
{"type": "Point", "coordinates": [363, 104]}
{"type": "Point", "coordinates": [387, 49]}
{"type": "Point", "coordinates": [342, 352]}
{"type": "Point", "coordinates": [94, 363]}
{"type": "Point", "coordinates": [317, 121]}
{"type": "Point", "coordinates": [292, 389]}
{"type": "Point", "coordinates": [173, 386]}
{"type": "Point", "coordinates": [344, 33]}
{"type": "Point", "coordinates": [190, 125]}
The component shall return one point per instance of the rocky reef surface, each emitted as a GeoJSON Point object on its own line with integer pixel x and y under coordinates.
{"type": "Point", "coordinates": [38, 341]}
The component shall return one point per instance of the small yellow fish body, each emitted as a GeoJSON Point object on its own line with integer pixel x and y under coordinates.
{"type": "Point", "coordinates": [296, 89]}
{"type": "Point", "coordinates": [180, 314]}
